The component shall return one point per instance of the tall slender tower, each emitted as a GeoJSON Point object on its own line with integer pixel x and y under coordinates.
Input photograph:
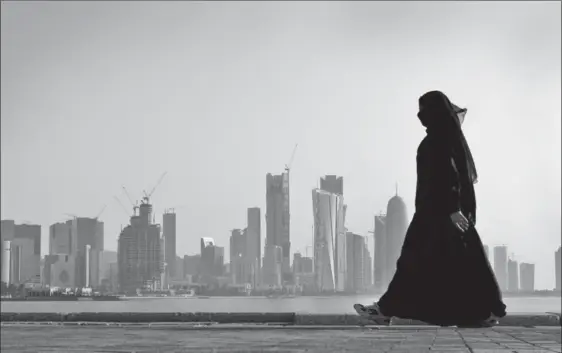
{"type": "Point", "coordinates": [6, 261]}
{"type": "Point", "coordinates": [500, 266]}
{"type": "Point", "coordinates": [87, 265]}
{"type": "Point", "coordinates": [169, 235]}
{"type": "Point", "coordinates": [512, 275]}
{"type": "Point", "coordinates": [329, 241]}
{"type": "Point", "coordinates": [278, 217]}
{"type": "Point", "coordinates": [332, 183]}
{"type": "Point", "coordinates": [253, 245]}
{"type": "Point", "coordinates": [527, 274]}
{"type": "Point", "coordinates": [379, 263]}
{"type": "Point", "coordinates": [396, 225]}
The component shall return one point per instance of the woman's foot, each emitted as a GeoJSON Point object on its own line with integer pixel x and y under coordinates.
{"type": "Point", "coordinates": [489, 322]}
{"type": "Point", "coordinates": [493, 320]}
{"type": "Point", "coordinates": [373, 313]}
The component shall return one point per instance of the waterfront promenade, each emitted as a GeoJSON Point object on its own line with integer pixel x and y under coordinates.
{"type": "Point", "coordinates": [217, 318]}
{"type": "Point", "coordinates": [231, 339]}
{"type": "Point", "coordinates": [310, 305]}
{"type": "Point", "coordinates": [265, 332]}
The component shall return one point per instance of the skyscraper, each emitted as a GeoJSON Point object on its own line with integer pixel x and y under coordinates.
{"type": "Point", "coordinates": [253, 245]}
{"type": "Point", "coordinates": [60, 268]}
{"type": "Point", "coordinates": [139, 254]}
{"type": "Point", "coordinates": [512, 275]}
{"type": "Point", "coordinates": [527, 274]}
{"type": "Point", "coordinates": [87, 231]}
{"type": "Point", "coordinates": [6, 261]}
{"type": "Point", "coordinates": [212, 258]}
{"type": "Point", "coordinates": [22, 263]}
{"type": "Point", "coordinates": [396, 225]}
{"type": "Point", "coordinates": [108, 257]}
{"type": "Point", "coordinates": [278, 230]}
{"type": "Point", "coordinates": [380, 254]}
{"type": "Point", "coordinates": [329, 241]}
{"type": "Point", "coordinates": [500, 266]}
{"type": "Point", "coordinates": [169, 236]}
{"type": "Point", "coordinates": [60, 239]}
{"type": "Point", "coordinates": [355, 257]}
{"type": "Point", "coordinates": [368, 267]}
{"type": "Point", "coordinates": [332, 183]}
{"type": "Point", "coordinates": [558, 268]}
{"type": "Point", "coordinates": [302, 264]}
{"type": "Point", "coordinates": [7, 229]}
{"type": "Point", "coordinates": [192, 263]}
{"type": "Point", "coordinates": [272, 264]}
{"type": "Point", "coordinates": [238, 268]}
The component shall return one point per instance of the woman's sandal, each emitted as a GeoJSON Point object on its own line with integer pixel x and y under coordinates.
{"type": "Point", "coordinates": [373, 313]}
{"type": "Point", "coordinates": [493, 320]}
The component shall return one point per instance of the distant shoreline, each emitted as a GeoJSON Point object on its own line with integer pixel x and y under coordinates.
{"type": "Point", "coordinates": [505, 295]}
{"type": "Point", "coordinates": [535, 295]}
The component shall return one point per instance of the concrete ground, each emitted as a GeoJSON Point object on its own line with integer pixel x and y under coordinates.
{"type": "Point", "coordinates": [170, 338]}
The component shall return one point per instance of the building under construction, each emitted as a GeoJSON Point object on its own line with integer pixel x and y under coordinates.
{"type": "Point", "coordinates": [140, 257]}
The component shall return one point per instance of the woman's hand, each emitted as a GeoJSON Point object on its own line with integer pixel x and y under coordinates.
{"type": "Point", "coordinates": [460, 221]}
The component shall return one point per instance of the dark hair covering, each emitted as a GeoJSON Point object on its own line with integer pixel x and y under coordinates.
{"type": "Point", "coordinates": [439, 116]}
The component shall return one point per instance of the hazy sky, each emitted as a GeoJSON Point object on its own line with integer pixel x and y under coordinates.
{"type": "Point", "coordinates": [96, 95]}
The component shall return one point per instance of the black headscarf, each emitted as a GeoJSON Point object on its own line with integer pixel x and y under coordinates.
{"type": "Point", "coordinates": [439, 116]}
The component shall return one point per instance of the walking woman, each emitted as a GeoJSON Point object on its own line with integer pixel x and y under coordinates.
{"type": "Point", "coordinates": [443, 276]}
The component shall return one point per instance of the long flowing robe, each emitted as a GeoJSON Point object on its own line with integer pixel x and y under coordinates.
{"type": "Point", "coordinates": [443, 275]}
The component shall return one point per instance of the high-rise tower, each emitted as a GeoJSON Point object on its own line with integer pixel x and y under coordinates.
{"type": "Point", "coordinates": [332, 183]}
{"type": "Point", "coordinates": [329, 241]}
{"type": "Point", "coordinates": [512, 275]}
{"type": "Point", "coordinates": [238, 268]}
{"type": "Point", "coordinates": [396, 225]}
{"type": "Point", "coordinates": [278, 217]}
{"type": "Point", "coordinates": [169, 235]}
{"type": "Point", "coordinates": [527, 276]}
{"type": "Point", "coordinates": [500, 266]}
{"type": "Point", "coordinates": [139, 253]}
{"type": "Point", "coordinates": [253, 245]}
{"type": "Point", "coordinates": [379, 262]}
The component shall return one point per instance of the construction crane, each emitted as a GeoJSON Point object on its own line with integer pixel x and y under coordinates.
{"type": "Point", "coordinates": [70, 215]}
{"type": "Point", "coordinates": [135, 207]}
{"type": "Point", "coordinates": [288, 165]}
{"type": "Point", "coordinates": [147, 196]}
{"type": "Point", "coordinates": [121, 204]}
{"type": "Point", "coordinates": [100, 212]}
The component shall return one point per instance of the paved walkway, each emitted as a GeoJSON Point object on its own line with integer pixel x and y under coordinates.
{"type": "Point", "coordinates": [168, 339]}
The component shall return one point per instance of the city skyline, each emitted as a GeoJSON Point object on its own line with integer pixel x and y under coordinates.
{"type": "Point", "coordinates": [68, 240]}
{"type": "Point", "coordinates": [219, 93]}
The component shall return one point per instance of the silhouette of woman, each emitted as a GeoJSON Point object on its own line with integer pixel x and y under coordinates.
{"type": "Point", "coordinates": [443, 276]}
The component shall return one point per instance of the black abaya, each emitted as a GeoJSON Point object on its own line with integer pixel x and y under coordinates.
{"type": "Point", "coordinates": [443, 276]}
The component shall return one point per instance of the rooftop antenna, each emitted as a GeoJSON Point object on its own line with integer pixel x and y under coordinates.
{"type": "Point", "coordinates": [396, 185]}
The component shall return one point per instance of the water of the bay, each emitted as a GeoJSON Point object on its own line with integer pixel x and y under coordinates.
{"type": "Point", "coordinates": [313, 305]}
